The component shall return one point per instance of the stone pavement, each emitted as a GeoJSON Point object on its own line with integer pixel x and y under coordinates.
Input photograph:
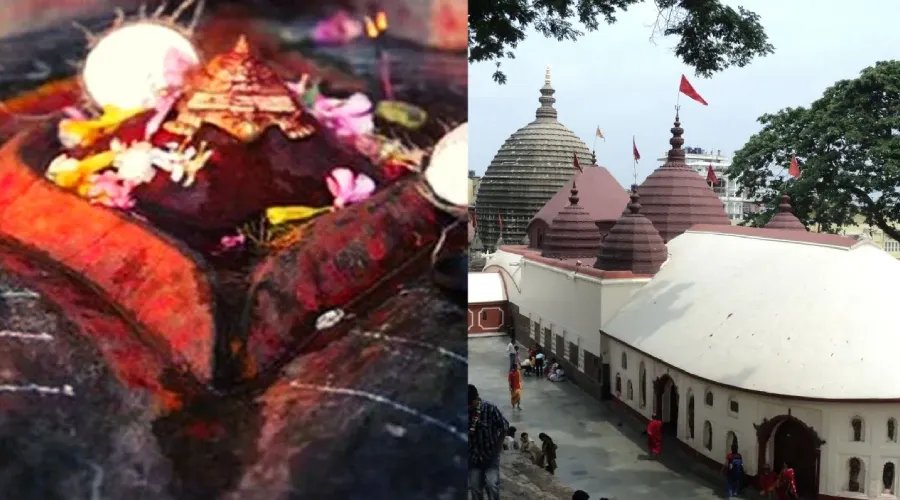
{"type": "Point", "coordinates": [598, 452]}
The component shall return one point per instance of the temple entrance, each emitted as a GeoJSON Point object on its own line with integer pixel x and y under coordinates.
{"type": "Point", "coordinates": [795, 443]}
{"type": "Point", "coordinates": [666, 403]}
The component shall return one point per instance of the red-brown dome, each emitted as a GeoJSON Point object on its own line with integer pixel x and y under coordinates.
{"type": "Point", "coordinates": [572, 234]}
{"type": "Point", "coordinates": [785, 218]}
{"type": "Point", "coordinates": [633, 244]}
{"type": "Point", "coordinates": [675, 197]}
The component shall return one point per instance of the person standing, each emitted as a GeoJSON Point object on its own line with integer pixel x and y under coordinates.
{"type": "Point", "coordinates": [787, 487]}
{"type": "Point", "coordinates": [734, 472]}
{"type": "Point", "coordinates": [654, 437]}
{"type": "Point", "coordinates": [511, 353]}
{"type": "Point", "coordinates": [539, 361]}
{"type": "Point", "coordinates": [487, 429]}
{"type": "Point", "coordinates": [515, 387]}
{"type": "Point", "coordinates": [548, 449]}
{"type": "Point", "coordinates": [767, 481]}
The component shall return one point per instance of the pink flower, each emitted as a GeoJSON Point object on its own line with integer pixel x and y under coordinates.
{"type": "Point", "coordinates": [108, 189]}
{"type": "Point", "coordinates": [347, 118]}
{"type": "Point", "coordinates": [231, 242]}
{"type": "Point", "coordinates": [175, 67]}
{"type": "Point", "coordinates": [177, 64]}
{"type": "Point", "coordinates": [348, 187]}
{"type": "Point", "coordinates": [338, 29]}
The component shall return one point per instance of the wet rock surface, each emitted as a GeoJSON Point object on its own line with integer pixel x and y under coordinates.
{"type": "Point", "coordinates": [68, 428]}
{"type": "Point", "coordinates": [375, 414]}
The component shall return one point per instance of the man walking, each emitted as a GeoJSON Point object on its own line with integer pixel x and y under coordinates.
{"type": "Point", "coordinates": [487, 428]}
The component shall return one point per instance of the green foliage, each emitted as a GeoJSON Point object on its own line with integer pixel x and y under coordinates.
{"type": "Point", "coordinates": [849, 150]}
{"type": "Point", "coordinates": [712, 36]}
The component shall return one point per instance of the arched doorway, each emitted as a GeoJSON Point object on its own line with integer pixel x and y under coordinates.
{"type": "Point", "coordinates": [666, 403]}
{"type": "Point", "coordinates": [795, 443]}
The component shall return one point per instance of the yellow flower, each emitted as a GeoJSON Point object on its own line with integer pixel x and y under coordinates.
{"type": "Point", "coordinates": [280, 215]}
{"type": "Point", "coordinates": [84, 132]}
{"type": "Point", "coordinates": [71, 178]}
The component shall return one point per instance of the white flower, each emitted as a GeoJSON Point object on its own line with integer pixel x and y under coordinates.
{"type": "Point", "coordinates": [134, 164]}
{"type": "Point", "coordinates": [60, 164]}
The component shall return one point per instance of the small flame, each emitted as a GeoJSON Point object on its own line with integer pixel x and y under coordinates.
{"type": "Point", "coordinates": [371, 28]}
{"type": "Point", "coordinates": [381, 21]}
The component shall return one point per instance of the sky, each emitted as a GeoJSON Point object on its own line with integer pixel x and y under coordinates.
{"type": "Point", "coordinates": [619, 80]}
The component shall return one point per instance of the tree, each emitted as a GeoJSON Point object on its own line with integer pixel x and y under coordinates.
{"type": "Point", "coordinates": [712, 36]}
{"type": "Point", "coordinates": [848, 145]}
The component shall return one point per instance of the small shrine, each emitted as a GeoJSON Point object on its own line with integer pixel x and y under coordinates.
{"type": "Point", "coordinates": [241, 95]}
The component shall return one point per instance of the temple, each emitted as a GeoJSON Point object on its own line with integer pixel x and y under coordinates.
{"type": "Point", "coordinates": [733, 335]}
{"type": "Point", "coordinates": [531, 166]}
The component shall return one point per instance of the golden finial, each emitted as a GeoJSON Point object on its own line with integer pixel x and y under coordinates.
{"type": "Point", "coordinates": [547, 75]}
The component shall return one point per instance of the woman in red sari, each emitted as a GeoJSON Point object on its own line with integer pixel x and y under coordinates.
{"type": "Point", "coordinates": [654, 436]}
{"type": "Point", "coordinates": [787, 487]}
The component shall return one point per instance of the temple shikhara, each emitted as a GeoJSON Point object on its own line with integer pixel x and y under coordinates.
{"type": "Point", "coordinates": [772, 338]}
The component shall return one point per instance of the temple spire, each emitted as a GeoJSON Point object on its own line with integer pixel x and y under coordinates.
{"type": "Point", "coordinates": [546, 110]}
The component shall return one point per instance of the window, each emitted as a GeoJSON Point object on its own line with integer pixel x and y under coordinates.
{"type": "Point", "coordinates": [624, 361]}
{"type": "Point", "coordinates": [709, 398]}
{"type": "Point", "coordinates": [630, 391]}
{"type": "Point", "coordinates": [643, 387]}
{"type": "Point", "coordinates": [733, 406]}
{"type": "Point", "coordinates": [618, 386]}
{"type": "Point", "coordinates": [707, 435]}
{"type": "Point", "coordinates": [858, 428]}
{"type": "Point", "coordinates": [690, 415]}
{"type": "Point", "coordinates": [892, 430]}
{"type": "Point", "coordinates": [887, 478]}
{"type": "Point", "coordinates": [730, 439]}
{"type": "Point", "coordinates": [855, 476]}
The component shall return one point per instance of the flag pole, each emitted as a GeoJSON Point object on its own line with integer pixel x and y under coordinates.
{"type": "Point", "coordinates": [634, 168]}
{"type": "Point", "coordinates": [594, 145]}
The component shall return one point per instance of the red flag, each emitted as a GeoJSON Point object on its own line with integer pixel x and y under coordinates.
{"type": "Point", "coordinates": [634, 151]}
{"type": "Point", "coordinates": [687, 89]}
{"type": "Point", "coordinates": [795, 168]}
{"type": "Point", "coordinates": [577, 165]}
{"type": "Point", "coordinates": [711, 175]}
{"type": "Point", "coordinates": [500, 220]}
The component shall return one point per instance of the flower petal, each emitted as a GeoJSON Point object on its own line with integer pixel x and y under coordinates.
{"type": "Point", "coordinates": [364, 186]}
{"type": "Point", "coordinates": [357, 104]}
{"type": "Point", "coordinates": [345, 178]}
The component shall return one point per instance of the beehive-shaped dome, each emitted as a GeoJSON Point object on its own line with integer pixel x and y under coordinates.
{"type": "Point", "coordinates": [785, 218]}
{"type": "Point", "coordinates": [532, 165]}
{"type": "Point", "coordinates": [674, 197]}
{"type": "Point", "coordinates": [633, 244]}
{"type": "Point", "coordinates": [572, 234]}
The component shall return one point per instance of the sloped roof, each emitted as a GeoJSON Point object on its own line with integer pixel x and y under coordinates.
{"type": "Point", "coordinates": [785, 218]}
{"type": "Point", "coordinates": [674, 197]}
{"type": "Point", "coordinates": [486, 288]}
{"type": "Point", "coordinates": [601, 195]}
{"type": "Point", "coordinates": [633, 244]}
{"type": "Point", "coordinates": [572, 233]}
{"type": "Point", "coordinates": [781, 312]}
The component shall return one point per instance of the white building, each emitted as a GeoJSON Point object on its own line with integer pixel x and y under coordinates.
{"type": "Point", "coordinates": [699, 160]}
{"type": "Point", "coordinates": [777, 339]}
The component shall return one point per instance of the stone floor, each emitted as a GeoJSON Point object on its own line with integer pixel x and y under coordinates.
{"type": "Point", "coordinates": [597, 451]}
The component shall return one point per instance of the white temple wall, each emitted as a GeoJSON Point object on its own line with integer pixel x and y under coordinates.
{"type": "Point", "coordinates": [833, 422]}
{"type": "Point", "coordinates": [568, 302]}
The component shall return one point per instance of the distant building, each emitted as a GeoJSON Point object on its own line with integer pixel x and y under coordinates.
{"type": "Point", "coordinates": [861, 230]}
{"type": "Point", "coordinates": [698, 159]}
{"type": "Point", "coordinates": [474, 183]}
